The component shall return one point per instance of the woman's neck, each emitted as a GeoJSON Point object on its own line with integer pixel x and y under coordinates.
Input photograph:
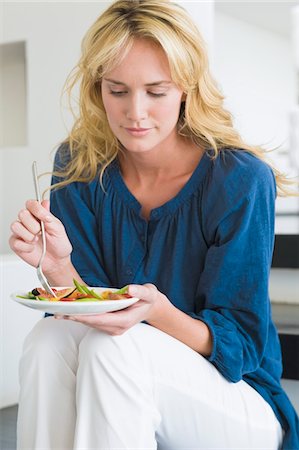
{"type": "Point", "coordinates": [156, 166]}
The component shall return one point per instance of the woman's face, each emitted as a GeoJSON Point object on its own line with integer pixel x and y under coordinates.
{"type": "Point", "coordinates": [141, 101]}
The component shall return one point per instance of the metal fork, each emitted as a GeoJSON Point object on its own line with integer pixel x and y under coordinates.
{"type": "Point", "coordinates": [39, 270]}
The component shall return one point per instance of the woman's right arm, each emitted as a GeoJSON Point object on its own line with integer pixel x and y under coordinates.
{"type": "Point", "coordinates": [25, 241]}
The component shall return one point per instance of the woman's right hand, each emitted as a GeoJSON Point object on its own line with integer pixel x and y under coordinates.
{"type": "Point", "coordinates": [26, 241]}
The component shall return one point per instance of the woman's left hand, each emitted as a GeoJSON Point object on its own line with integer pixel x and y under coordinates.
{"type": "Point", "coordinates": [116, 323]}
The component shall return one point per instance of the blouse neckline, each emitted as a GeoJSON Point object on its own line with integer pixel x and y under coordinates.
{"type": "Point", "coordinates": [171, 205]}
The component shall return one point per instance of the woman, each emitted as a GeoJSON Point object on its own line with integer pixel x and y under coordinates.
{"type": "Point", "coordinates": [154, 188]}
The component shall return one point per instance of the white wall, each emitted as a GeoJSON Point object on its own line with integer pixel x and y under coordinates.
{"type": "Point", "coordinates": [256, 72]}
{"type": "Point", "coordinates": [203, 13]}
{"type": "Point", "coordinates": [13, 129]}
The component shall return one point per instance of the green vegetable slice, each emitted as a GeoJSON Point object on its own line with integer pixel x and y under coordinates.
{"type": "Point", "coordinates": [123, 290]}
{"type": "Point", "coordinates": [78, 286]}
{"type": "Point", "coordinates": [85, 290]}
{"type": "Point", "coordinates": [26, 297]}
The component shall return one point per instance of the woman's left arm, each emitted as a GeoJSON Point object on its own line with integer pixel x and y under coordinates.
{"type": "Point", "coordinates": [239, 228]}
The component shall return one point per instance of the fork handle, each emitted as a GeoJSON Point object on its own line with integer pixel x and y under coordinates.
{"type": "Point", "coordinates": [35, 178]}
{"type": "Point", "coordinates": [38, 198]}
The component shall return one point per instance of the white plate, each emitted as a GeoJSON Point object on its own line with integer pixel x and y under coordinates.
{"type": "Point", "coordinates": [76, 307]}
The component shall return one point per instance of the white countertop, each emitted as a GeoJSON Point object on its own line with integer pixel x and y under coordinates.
{"type": "Point", "coordinates": [284, 286]}
{"type": "Point", "coordinates": [284, 295]}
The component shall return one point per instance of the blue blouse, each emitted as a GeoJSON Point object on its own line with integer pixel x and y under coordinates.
{"type": "Point", "coordinates": [208, 249]}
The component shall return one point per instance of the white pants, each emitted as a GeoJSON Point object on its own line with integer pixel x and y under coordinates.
{"type": "Point", "coordinates": [83, 389]}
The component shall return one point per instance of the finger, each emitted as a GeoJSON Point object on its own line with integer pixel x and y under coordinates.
{"type": "Point", "coordinates": [46, 204]}
{"type": "Point", "coordinates": [108, 320]}
{"type": "Point", "coordinates": [92, 319]}
{"type": "Point", "coordinates": [110, 323]}
{"type": "Point", "coordinates": [52, 224]}
{"type": "Point", "coordinates": [29, 221]}
{"type": "Point", "coordinates": [39, 211]}
{"type": "Point", "coordinates": [21, 232]}
{"type": "Point", "coordinates": [19, 246]}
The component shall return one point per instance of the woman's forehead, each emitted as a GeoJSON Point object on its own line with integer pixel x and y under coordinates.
{"type": "Point", "coordinates": [143, 57]}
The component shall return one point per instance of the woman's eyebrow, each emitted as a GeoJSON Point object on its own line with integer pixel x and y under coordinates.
{"type": "Point", "coordinates": [158, 83]}
{"type": "Point", "coordinates": [154, 83]}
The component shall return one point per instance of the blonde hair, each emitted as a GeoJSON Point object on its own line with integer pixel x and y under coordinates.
{"type": "Point", "coordinates": [203, 118]}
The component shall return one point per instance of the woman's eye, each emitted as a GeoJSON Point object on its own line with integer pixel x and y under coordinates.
{"type": "Point", "coordinates": [155, 94]}
{"type": "Point", "coordinates": [118, 93]}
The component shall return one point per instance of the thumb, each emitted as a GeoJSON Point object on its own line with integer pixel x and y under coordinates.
{"type": "Point", "coordinates": [46, 204]}
{"type": "Point", "coordinates": [144, 292]}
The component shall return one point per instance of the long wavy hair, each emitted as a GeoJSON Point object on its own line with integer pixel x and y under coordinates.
{"type": "Point", "coordinates": [202, 117]}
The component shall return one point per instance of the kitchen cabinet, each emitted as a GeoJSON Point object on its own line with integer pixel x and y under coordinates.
{"type": "Point", "coordinates": [284, 295]}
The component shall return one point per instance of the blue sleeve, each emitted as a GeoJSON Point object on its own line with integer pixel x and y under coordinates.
{"type": "Point", "coordinates": [74, 206]}
{"type": "Point", "coordinates": [239, 229]}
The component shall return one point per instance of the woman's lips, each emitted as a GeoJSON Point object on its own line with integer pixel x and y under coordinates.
{"type": "Point", "coordinates": [138, 131]}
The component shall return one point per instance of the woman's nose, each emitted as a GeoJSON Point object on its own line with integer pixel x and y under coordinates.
{"type": "Point", "coordinates": [136, 108]}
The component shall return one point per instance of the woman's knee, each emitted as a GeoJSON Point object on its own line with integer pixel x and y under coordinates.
{"type": "Point", "coordinates": [51, 353]}
{"type": "Point", "coordinates": [51, 337]}
{"type": "Point", "coordinates": [110, 350]}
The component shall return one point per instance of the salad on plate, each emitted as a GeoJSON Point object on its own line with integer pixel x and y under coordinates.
{"type": "Point", "coordinates": [78, 299]}
{"type": "Point", "coordinates": [77, 293]}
